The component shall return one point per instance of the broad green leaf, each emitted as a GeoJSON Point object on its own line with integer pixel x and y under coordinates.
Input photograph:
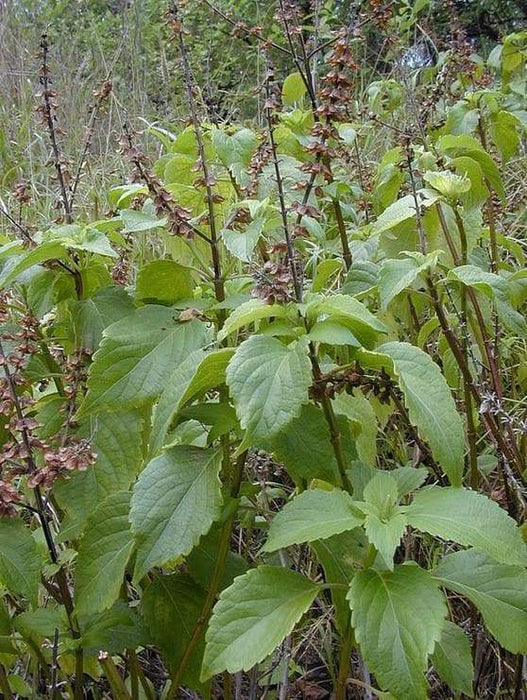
{"type": "Point", "coordinates": [117, 439]}
{"type": "Point", "coordinates": [381, 493]}
{"type": "Point", "coordinates": [469, 518]}
{"type": "Point", "coordinates": [396, 275]}
{"type": "Point", "coordinates": [313, 515]}
{"type": "Point", "coordinates": [136, 357]}
{"type": "Point", "coordinates": [451, 186]}
{"type": "Point", "coordinates": [325, 270]}
{"type": "Point", "coordinates": [209, 374]}
{"type": "Point", "coordinates": [452, 659]}
{"type": "Point", "coordinates": [304, 446]}
{"type": "Point", "coordinates": [103, 555]}
{"type": "Point", "coordinates": [242, 243]}
{"type": "Point", "coordinates": [249, 312]}
{"type": "Point", "coordinates": [171, 607]}
{"type": "Point", "coordinates": [357, 408]}
{"type": "Point", "coordinates": [385, 534]}
{"type": "Point", "coordinates": [341, 557]}
{"type": "Point", "coordinates": [490, 170]}
{"type": "Point", "coordinates": [479, 192]}
{"type": "Point", "coordinates": [135, 221]}
{"type": "Point", "coordinates": [201, 562]}
{"type": "Point", "coordinates": [92, 316]}
{"type": "Point", "coordinates": [85, 238]}
{"type": "Point", "coordinates": [268, 382]}
{"type": "Point", "coordinates": [19, 559]}
{"type": "Point", "coordinates": [408, 479]}
{"type": "Point", "coordinates": [237, 147]}
{"type": "Point", "coordinates": [505, 129]}
{"type": "Point", "coordinates": [404, 209]}
{"type": "Point", "coordinates": [462, 119]}
{"type": "Point", "coordinates": [253, 616]}
{"type": "Point", "coordinates": [498, 591]}
{"type": "Point", "coordinates": [384, 523]}
{"type": "Point", "coordinates": [430, 405]}
{"type": "Point", "coordinates": [361, 278]}
{"type": "Point", "coordinates": [113, 630]}
{"type": "Point", "coordinates": [352, 313]}
{"type": "Point", "coordinates": [41, 623]}
{"type": "Point", "coordinates": [197, 374]}
{"type": "Point", "coordinates": [496, 288]}
{"type": "Point", "coordinates": [170, 400]}
{"type": "Point", "coordinates": [15, 265]}
{"type": "Point", "coordinates": [175, 500]}
{"type": "Point", "coordinates": [164, 282]}
{"type": "Point", "coordinates": [293, 89]}
{"type": "Point", "coordinates": [332, 332]}
{"type": "Point", "coordinates": [397, 617]}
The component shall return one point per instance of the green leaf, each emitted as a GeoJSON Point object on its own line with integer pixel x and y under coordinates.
{"type": "Point", "coordinates": [461, 119]}
{"type": "Point", "coordinates": [19, 559]}
{"type": "Point", "coordinates": [495, 287]}
{"type": "Point", "coordinates": [85, 238]}
{"type": "Point", "coordinates": [242, 243]}
{"type": "Point", "coordinates": [504, 131]}
{"type": "Point", "coordinates": [113, 630]}
{"type": "Point", "coordinates": [135, 221]}
{"type": "Point", "coordinates": [384, 523]}
{"type": "Point", "coordinates": [136, 357]}
{"type": "Point", "coordinates": [325, 270]}
{"type": "Point", "coordinates": [175, 500]}
{"type": "Point", "coordinates": [171, 607]}
{"type": "Point", "coordinates": [170, 400]}
{"type": "Point", "coordinates": [469, 518]}
{"type": "Point", "coordinates": [249, 312]}
{"type": "Point", "coordinates": [404, 209]}
{"type": "Point", "coordinates": [235, 151]}
{"type": "Point", "coordinates": [451, 186]}
{"type": "Point", "coordinates": [452, 659]}
{"type": "Point", "coordinates": [408, 479]}
{"type": "Point", "coordinates": [385, 534]}
{"type": "Point", "coordinates": [201, 562]}
{"type": "Point", "coordinates": [332, 333]}
{"type": "Point", "coordinates": [498, 591]}
{"type": "Point", "coordinates": [253, 616]}
{"type": "Point", "coordinates": [103, 555]}
{"type": "Point", "coordinates": [304, 446]}
{"type": "Point", "coordinates": [293, 89]}
{"type": "Point", "coordinates": [352, 313]}
{"type": "Point", "coordinates": [397, 617]}
{"type": "Point", "coordinates": [268, 382]}
{"type": "Point", "coordinates": [396, 275]}
{"type": "Point", "coordinates": [313, 515]}
{"type": "Point", "coordinates": [430, 405]}
{"type": "Point", "coordinates": [15, 265]}
{"type": "Point", "coordinates": [197, 374]}
{"type": "Point", "coordinates": [117, 439]}
{"type": "Point", "coordinates": [41, 623]}
{"type": "Point", "coordinates": [163, 281]}
{"type": "Point", "coordinates": [490, 170]}
{"type": "Point", "coordinates": [357, 408]}
{"type": "Point", "coordinates": [341, 556]}
{"type": "Point", "coordinates": [92, 316]}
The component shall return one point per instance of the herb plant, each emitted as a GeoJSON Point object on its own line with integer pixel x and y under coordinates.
{"type": "Point", "coordinates": [278, 391]}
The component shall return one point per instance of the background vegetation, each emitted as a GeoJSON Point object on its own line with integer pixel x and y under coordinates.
{"type": "Point", "coordinates": [263, 413]}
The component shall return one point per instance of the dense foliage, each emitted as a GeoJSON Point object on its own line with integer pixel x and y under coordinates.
{"type": "Point", "coordinates": [263, 413]}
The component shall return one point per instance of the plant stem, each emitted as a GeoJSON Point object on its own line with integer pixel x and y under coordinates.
{"type": "Point", "coordinates": [212, 592]}
{"type": "Point", "coordinates": [4, 684]}
{"type": "Point", "coordinates": [119, 691]}
{"type": "Point", "coordinates": [344, 663]}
